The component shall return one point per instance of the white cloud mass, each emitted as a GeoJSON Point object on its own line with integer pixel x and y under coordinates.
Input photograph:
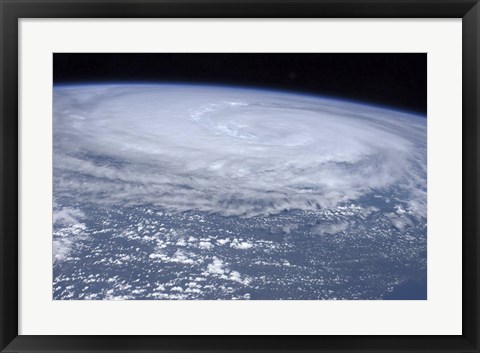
{"type": "Point", "coordinates": [230, 151]}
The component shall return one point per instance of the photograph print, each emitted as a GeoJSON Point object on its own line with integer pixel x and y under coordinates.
{"type": "Point", "coordinates": [239, 176]}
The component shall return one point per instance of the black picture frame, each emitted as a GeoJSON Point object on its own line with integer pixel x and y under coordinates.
{"type": "Point", "coordinates": [12, 10]}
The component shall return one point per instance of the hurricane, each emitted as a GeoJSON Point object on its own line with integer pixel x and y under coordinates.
{"type": "Point", "coordinates": [183, 191]}
{"type": "Point", "coordinates": [231, 151]}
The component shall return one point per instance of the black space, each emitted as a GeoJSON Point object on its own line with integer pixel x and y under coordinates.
{"type": "Point", "coordinates": [396, 80]}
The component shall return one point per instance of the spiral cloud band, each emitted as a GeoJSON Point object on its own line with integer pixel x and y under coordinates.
{"type": "Point", "coordinates": [231, 151]}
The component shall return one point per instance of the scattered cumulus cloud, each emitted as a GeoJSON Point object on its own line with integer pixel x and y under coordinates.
{"type": "Point", "coordinates": [330, 229]}
{"type": "Point", "coordinates": [243, 245]}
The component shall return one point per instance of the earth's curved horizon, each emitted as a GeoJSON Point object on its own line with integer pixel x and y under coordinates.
{"type": "Point", "coordinates": [176, 191]}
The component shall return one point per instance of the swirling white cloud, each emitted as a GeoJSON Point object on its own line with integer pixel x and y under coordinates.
{"type": "Point", "coordinates": [231, 151]}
